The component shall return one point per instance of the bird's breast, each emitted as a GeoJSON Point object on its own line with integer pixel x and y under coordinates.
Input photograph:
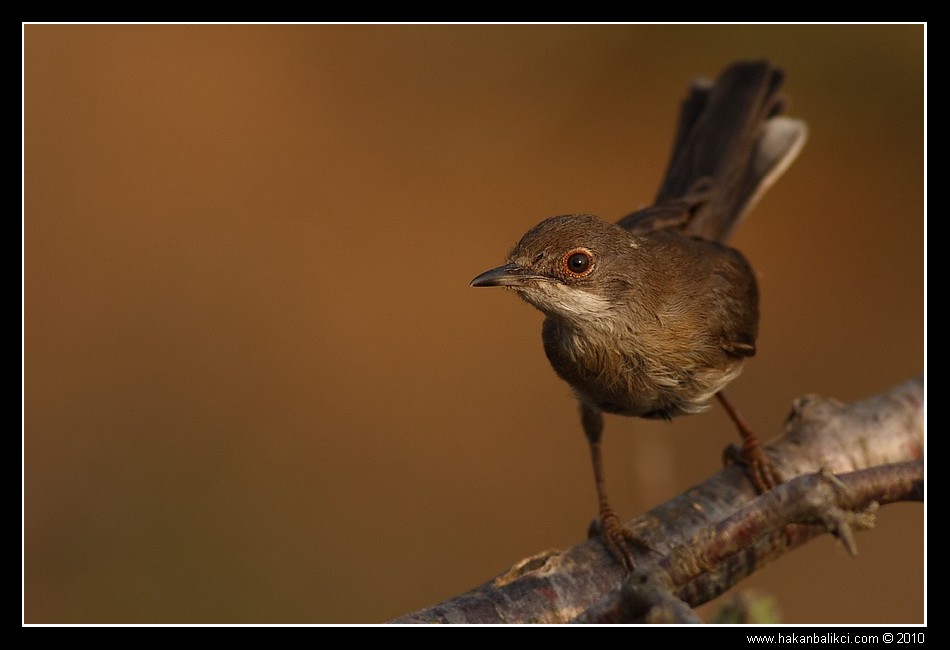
{"type": "Point", "coordinates": [615, 371]}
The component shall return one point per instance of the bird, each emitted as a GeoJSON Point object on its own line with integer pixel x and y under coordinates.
{"type": "Point", "coordinates": [654, 315]}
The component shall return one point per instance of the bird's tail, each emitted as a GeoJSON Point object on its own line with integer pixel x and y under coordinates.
{"type": "Point", "coordinates": [731, 144]}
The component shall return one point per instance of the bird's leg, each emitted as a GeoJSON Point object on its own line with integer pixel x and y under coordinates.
{"type": "Point", "coordinates": [616, 537]}
{"type": "Point", "coordinates": [759, 467]}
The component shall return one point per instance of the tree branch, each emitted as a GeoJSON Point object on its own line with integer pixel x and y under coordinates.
{"type": "Point", "coordinates": [843, 461]}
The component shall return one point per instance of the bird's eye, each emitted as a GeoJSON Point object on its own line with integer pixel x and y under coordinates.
{"type": "Point", "coordinates": [579, 262]}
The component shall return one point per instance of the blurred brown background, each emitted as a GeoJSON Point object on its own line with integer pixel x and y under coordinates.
{"type": "Point", "coordinates": [257, 385]}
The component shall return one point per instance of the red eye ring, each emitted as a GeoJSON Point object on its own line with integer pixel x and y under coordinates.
{"type": "Point", "coordinates": [578, 263]}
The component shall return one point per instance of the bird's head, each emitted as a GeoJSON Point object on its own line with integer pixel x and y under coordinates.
{"type": "Point", "coordinates": [571, 266]}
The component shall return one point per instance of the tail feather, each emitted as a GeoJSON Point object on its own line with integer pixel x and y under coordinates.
{"type": "Point", "coordinates": [731, 145]}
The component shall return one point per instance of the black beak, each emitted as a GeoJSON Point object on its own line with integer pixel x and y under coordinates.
{"type": "Point", "coordinates": [508, 275]}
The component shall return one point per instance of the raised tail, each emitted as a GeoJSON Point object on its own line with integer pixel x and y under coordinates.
{"type": "Point", "coordinates": [731, 144]}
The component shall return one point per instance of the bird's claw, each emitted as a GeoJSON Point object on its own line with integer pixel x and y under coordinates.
{"type": "Point", "coordinates": [760, 469]}
{"type": "Point", "coordinates": [619, 540]}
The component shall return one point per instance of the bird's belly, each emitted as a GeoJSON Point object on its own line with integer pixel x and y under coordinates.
{"type": "Point", "coordinates": [648, 393]}
{"type": "Point", "coordinates": [636, 396]}
{"type": "Point", "coordinates": [628, 381]}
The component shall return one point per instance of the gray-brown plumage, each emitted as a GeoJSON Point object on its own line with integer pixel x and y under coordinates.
{"type": "Point", "coordinates": [653, 316]}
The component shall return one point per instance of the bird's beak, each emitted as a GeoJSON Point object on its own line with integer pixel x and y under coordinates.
{"type": "Point", "coordinates": [507, 275]}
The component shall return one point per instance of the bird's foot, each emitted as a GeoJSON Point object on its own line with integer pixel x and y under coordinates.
{"type": "Point", "coordinates": [618, 539]}
{"type": "Point", "coordinates": [761, 470]}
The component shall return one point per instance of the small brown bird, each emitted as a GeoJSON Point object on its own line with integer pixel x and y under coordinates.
{"type": "Point", "coordinates": [653, 316]}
